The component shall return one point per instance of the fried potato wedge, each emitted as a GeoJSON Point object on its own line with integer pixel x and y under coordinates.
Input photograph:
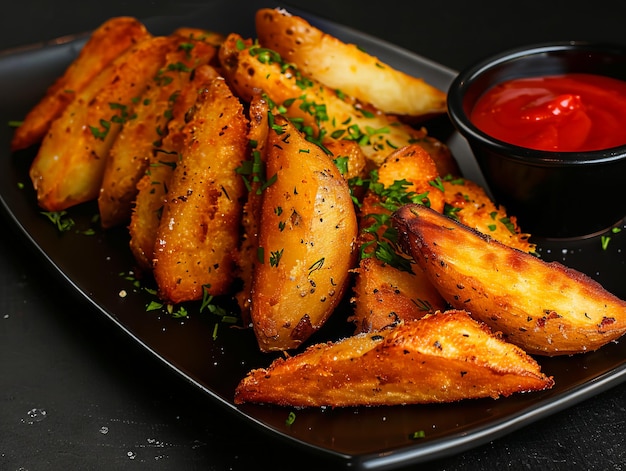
{"type": "Point", "coordinates": [198, 234]}
{"type": "Point", "coordinates": [151, 195]}
{"type": "Point", "coordinates": [346, 67]}
{"type": "Point", "coordinates": [142, 135]}
{"type": "Point", "coordinates": [327, 113]}
{"type": "Point", "coordinates": [472, 206]}
{"type": "Point", "coordinates": [388, 287]}
{"type": "Point", "coordinates": [307, 237]}
{"type": "Point", "coordinates": [69, 165]}
{"type": "Point", "coordinates": [545, 308]}
{"type": "Point", "coordinates": [443, 357]}
{"type": "Point", "coordinates": [105, 43]}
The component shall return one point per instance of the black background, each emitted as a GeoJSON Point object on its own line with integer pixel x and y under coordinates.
{"type": "Point", "coordinates": [109, 405]}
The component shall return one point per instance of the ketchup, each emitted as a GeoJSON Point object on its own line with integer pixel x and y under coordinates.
{"type": "Point", "coordinates": [570, 112]}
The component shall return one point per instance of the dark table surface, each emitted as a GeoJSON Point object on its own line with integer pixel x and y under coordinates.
{"type": "Point", "coordinates": [76, 393]}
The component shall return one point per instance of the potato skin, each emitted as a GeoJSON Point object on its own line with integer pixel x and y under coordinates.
{"type": "Point", "coordinates": [545, 308]}
{"type": "Point", "coordinates": [198, 233]}
{"type": "Point", "coordinates": [307, 238]}
{"type": "Point", "coordinates": [105, 43]}
{"type": "Point", "coordinates": [443, 357]}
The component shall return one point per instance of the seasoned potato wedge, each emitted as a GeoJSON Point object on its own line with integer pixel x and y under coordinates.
{"type": "Point", "coordinates": [307, 238]}
{"type": "Point", "coordinates": [70, 162]}
{"type": "Point", "coordinates": [152, 187]}
{"type": "Point", "coordinates": [198, 234]}
{"type": "Point", "coordinates": [545, 308]}
{"type": "Point", "coordinates": [142, 135]}
{"type": "Point", "coordinates": [327, 113]}
{"type": "Point", "coordinates": [346, 67]}
{"type": "Point", "coordinates": [105, 43]}
{"type": "Point", "coordinates": [388, 287]}
{"type": "Point", "coordinates": [444, 357]}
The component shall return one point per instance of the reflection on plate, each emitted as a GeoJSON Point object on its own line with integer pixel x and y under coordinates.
{"type": "Point", "coordinates": [97, 266]}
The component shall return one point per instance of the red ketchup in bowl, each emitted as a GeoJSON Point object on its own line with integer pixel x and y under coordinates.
{"type": "Point", "coordinates": [563, 113]}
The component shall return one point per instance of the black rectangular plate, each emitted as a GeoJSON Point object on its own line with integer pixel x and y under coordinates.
{"type": "Point", "coordinates": [95, 267]}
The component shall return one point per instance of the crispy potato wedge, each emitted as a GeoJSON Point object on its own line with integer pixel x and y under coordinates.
{"type": "Point", "coordinates": [444, 357]}
{"type": "Point", "coordinates": [387, 286]}
{"type": "Point", "coordinates": [152, 187]}
{"type": "Point", "coordinates": [307, 236]}
{"type": "Point", "coordinates": [198, 234]}
{"type": "Point", "coordinates": [105, 43]}
{"type": "Point", "coordinates": [472, 206]}
{"type": "Point", "coordinates": [69, 165]}
{"type": "Point", "coordinates": [142, 135]}
{"type": "Point", "coordinates": [545, 308]}
{"type": "Point", "coordinates": [326, 113]}
{"type": "Point", "coordinates": [346, 67]}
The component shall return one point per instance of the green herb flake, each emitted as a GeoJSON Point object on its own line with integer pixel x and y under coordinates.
{"type": "Point", "coordinates": [417, 435]}
{"type": "Point", "coordinates": [291, 418]}
{"type": "Point", "coordinates": [60, 219]}
{"type": "Point", "coordinates": [154, 306]}
{"type": "Point", "coordinates": [604, 241]}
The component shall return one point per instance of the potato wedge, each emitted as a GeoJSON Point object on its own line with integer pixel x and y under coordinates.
{"type": "Point", "coordinates": [142, 135]}
{"type": "Point", "coordinates": [70, 163]}
{"type": "Point", "coordinates": [307, 238]}
{"type": "Point", "coordinates": [152, 187]}
{"type": "Point", "coordinates": [324, 113]}
{"type": "Point", "coordinates": [444, 357]}
{"type": "Point", "coordinates": [545, 308]}
{"type": "Point", "coordinates": [346, 67]}
{"type": "Point", "coordinates": [388, 287]}
{"type": "Point", "coordinates": [198, 234]}
{"type": "Point", "coordinates": [105, 43]}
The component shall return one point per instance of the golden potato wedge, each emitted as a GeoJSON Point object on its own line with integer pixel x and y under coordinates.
{"type": "Point", "coordinates": [142, 135]}
{"type": "Point", "coordinates": [444, 357]}
{"type": "Point", "coordinates": [545, 308]}
{"type": "Point", "coordinates": [69, 165]}
{"type": "Point", "coordinates": [469, 203]}
{"type": "Point", "coordinates": [307, 241]}
{"type": "Point", "coordinates": [198, 234]}
{"type": "Point", "coordinates": [388, 287]}
{"type": "Point", "coordinates": [105, 43]}
{"type": "Point", "coordinates": [324, 113]}
{"type": "Point", "coordinates": [152, 187]}
{"type": "Point", "coordinates": [346, 67]}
